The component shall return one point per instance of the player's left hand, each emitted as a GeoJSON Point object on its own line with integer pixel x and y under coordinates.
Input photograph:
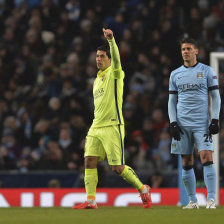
{"type": "Point", "coordinates": [214, 127]}
{"type": "Point", "coordinates": [108, 34]}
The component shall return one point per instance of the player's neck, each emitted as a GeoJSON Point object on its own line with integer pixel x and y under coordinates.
{"type": "Point", "coordinates": [189, 64]}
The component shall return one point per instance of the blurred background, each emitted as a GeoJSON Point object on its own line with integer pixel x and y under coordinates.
{"type": "Point", "coordinates": [47, 69]}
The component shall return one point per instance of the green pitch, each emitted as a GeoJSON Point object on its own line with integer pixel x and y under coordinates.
{"type": "Point", "coordinates": [111, 215]}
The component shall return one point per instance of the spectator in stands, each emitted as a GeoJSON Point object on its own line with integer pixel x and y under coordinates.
{"type": "Point", "coordinates": [7, 159]}
{"type": "Point", "coordinates": [161, 154]}
{"type": "Point", "coordinates": [52, 158]}
{"type": "Point", "coordinates": [71, 153]}
{"type": "Point", "coordinates": [157, 180]}
{"type": "Point", "coordinates": [160, 122]}
{"type": "Point", "coordinates": [54, 183]}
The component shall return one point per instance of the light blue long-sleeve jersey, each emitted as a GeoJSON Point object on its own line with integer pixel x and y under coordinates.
{"type": "Point", "coordinates": [188, 95]}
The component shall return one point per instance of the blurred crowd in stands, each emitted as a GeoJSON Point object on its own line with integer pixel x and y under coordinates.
{"type": "Point", "coordinates": [47, 69]}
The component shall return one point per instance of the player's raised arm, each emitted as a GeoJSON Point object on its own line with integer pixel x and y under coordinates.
{"type": "Point", "coordinates": [115, 56]}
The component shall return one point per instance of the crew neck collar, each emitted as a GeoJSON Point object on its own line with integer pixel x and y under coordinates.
{"type": "Point", "coordinates": [192, 66]}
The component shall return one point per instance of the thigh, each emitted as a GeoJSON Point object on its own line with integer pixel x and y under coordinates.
{"type": "Point", "coordinates": [186, 144]}
{"type": "Point", "coordinates": [203, 140]}
{"type": "Point", "coordinates": [113, 143]}
{"type": "Point", "coordinates": [93, 146]}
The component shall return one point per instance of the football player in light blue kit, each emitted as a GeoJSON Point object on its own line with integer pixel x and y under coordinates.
{"type": "Point", "coordinates": [190, 125]}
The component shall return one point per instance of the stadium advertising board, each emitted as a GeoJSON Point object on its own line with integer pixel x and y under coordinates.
{"type": "Point", "coordinates": [67, 197]}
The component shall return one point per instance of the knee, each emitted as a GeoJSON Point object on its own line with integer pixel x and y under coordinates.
{"type": "Point", "coordinates": [208, 163]}
{"type": "Point", "coordinates": [117, 169]}
{"type": "Point", "coordinates": [187, 163]}
{"type": "Point", "coordinates": [187, 160]}
{"type": "Point", "coordinates": [189, 167]}
{"type": "Point", "coordinates": [206, 157]}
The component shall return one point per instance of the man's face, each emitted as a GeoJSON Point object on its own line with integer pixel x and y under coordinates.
{"type": "Point", "coordinates": [189, 52]}
{"type": "Point", "coordinates": [102, 60]}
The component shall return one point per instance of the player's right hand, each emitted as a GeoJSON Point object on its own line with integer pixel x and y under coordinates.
{"type": "Point", "coordinates": [108, 34]}
{"type": "Point", "coordinates": [175, 131]}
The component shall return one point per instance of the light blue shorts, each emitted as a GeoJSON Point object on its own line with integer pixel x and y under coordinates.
{"type": "Point", "coordinates": [191, 139]}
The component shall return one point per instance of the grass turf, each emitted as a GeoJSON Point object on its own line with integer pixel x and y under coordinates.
{"type": "Point", "coordinates": [111, 215]}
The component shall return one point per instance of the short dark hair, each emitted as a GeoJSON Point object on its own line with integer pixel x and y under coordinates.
{"type": "Point", "coordinates": [189, 40]}
{"type": "Point", "coordinates": [105, 47]}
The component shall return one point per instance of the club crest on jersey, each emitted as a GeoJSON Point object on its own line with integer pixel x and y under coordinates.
{"type": "Point", "coordinates": [199, 75]}
{"type": "Point", "coordinates": [103, 78]}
